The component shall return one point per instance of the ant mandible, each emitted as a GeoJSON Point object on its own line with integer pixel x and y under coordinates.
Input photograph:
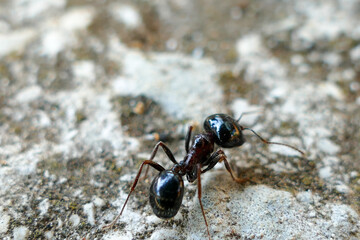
{"type": "Point", "coordinates": [167, 188]}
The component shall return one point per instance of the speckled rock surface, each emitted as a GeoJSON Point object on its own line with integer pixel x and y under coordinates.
{"type": "Point", "coordinates": [88, 87]}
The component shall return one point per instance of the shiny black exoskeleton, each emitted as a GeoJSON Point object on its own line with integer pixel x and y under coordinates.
{"type": "Point", "coordinates": [166, 194]}
{"type": "Point", "coordinates": [167, 188]}
{"type": "Point", "coordinates": [227, 131]}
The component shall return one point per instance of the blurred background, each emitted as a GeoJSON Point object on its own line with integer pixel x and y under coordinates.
{"type": "Point", "coordinates": [87, 88]}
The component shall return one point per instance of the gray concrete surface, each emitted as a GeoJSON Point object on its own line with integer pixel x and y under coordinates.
{"type": "Point", "coordinates": [88, 87]}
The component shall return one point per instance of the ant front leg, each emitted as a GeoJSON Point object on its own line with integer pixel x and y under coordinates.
{"type": "Point", "coordinates": [220, 156]}
{"type": "Point", "coordinates": [146, 162]}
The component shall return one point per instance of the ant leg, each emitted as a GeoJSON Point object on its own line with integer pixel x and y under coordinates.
{"type": "Point", "coordinates": [187, 139]}
{"type": "Point", "coordinates": [199, 196]}
{"type": "Point", "coordinates": [275, 143]}
{"type": "Point", "coordinates": [166, 150]}
{"type": "Point", "coordinates": [220, 156]}
{"type": "Point", "coordinates": [146, 162]}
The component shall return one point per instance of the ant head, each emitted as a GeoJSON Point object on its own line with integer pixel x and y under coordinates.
{"type": "Point", "coordinates": [226, 131]}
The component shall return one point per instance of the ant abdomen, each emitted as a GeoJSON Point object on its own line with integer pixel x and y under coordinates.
{"type": "Point", "coordinates": [226, 130]}
{"type": "Point", "coordinates": [166, 194]}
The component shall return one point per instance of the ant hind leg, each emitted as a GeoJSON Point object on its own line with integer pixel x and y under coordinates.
{"type": "Point", "coordinates": [151, 163]}
{"type": "Point", "coordinates": [199, 196]}
{"type": "Point", "coordinates": [154, 151]}
{"type": "Point", "coordinates": [187, 139]}
{"type": "Point", "coordinates": [146, 162]}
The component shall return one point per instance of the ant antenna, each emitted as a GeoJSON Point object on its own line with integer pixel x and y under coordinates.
{"type": "Point", "coordinates": [245, 113]}
{"type": "Point", "coordinates": [275, 143]}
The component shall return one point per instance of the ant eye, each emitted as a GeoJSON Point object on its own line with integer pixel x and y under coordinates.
{"type": "Point", "coordinates": [225, 130]}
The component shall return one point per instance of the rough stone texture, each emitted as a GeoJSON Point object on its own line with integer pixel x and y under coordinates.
{"type": "Point", "coordinates": [88, 87]}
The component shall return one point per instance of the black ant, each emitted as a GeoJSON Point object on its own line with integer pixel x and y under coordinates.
{"type": "Point", "coordinates": [167, 188]}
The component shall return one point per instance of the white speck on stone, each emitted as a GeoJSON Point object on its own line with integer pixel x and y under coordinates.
{"type": "Point", "coordinates": [297, 59]}
{"type": "Point", "coordinates": [197, 53]}
{"type": "Point", "coordinates": [342, 188]}
{"type": "Point", "coordinates": [4, 222]}
{"type": "Point", "coordinates": [60, 223]}
{"type": "Point", "coordinates": [44, 206]}
{"type": "Point", "coordinates": [62, 180]}
{"type": "Point", "coordinates": [178, 217]}
{"type": "Point", "coordinates": [49, 235]}
{"type": "Point", "coordinates": [77, 18]}
{"type": "Point", "coordinates": [98, 202]}
{"type": "Point", "coordinates": [330, 161]}
{"type": "Point", "coordinates": [46, 174]}
{"type": "Point", "coordinates": [171, 44]}
{"type": "Point", "coordinates": [276, 93]}
{"type": "Point", "coordinates": [89, 210]}
{"type": "Point", "coordinates": [250, 45]}
{"type": "Point", "coordinates": [28, 94]}
{"type": "Point", "coordinates": [84, 71]}
{"type": "Point", "coordinates": [53, 42]}
{"type": "Point", "coordinates": [77, 193]}
{"type": "Point", "coordinates": [332, 59]}
{"type": "Point", "coordinates": [312, 214]}
{"type": "Point", "coordinates": [327, 146]}
{"type": "Point", "coordinates": [325, 172]}
{"type": "Point", "coordinates": [355, 53]}
{"type": "Point", "coordinates": [116, 235]}
{"type": "Point", "coordinates": [354, 86]}
{"type": "Point", "coordinates": [239, 163]}
{"type": "Point", "coordinates": [126, 14]}
{"type": "Point", "coordinates": [15, 41]}
{"type": "Point", "coordinates": [152, 219]}
{"type": "Point", "coordinates": [42, 119]}
{"type": "Point", "coordinates": [286, 24]}
{"type": "Point", "coordinates": [165, 234]}
{"type": "Point", "coordinates": [21, 233]}
{"type": "Point", "coordinates": [304, 68]}
{"type": "Point", "coordinates": [132, 144]}
{"type": "Point", "coordinates": [331, 90]}
{"type": "Point", "coordinates": [349, 74]}
{"type": "Point", "coordinates": [305, 197]}
{"type": "Point", "coordinates": [354, 174]}
{"type": "Point", "coordinates": [74, 220]}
